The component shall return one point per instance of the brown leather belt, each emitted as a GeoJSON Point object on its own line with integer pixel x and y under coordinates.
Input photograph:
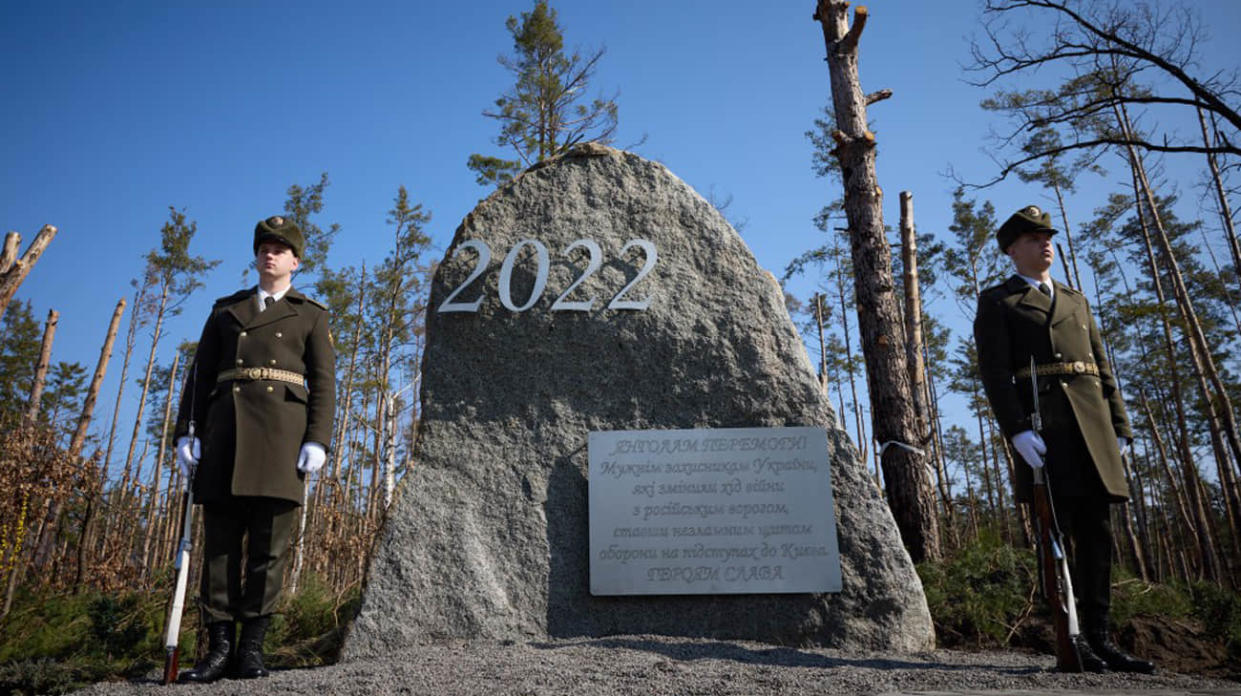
{"type": "Point", "coordinates": [261, 373]}
{"type": "Point", "coordinates": [1079, 367]}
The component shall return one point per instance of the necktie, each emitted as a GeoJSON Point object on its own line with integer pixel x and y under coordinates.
{"type": "Point", "coordinates": [268, 302]}
{"type": "Point", "coordinates": [1042, 287]}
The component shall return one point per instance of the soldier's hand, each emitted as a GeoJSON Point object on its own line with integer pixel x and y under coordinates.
{"type": "Point", "coordinates": [189, 451]}
{"type": "Point", "coordinates": [1122, 444]}
{"type": "Point", "coordinates": [1031, 448]}
{"type": "Point", "coordinates": [311, 458]}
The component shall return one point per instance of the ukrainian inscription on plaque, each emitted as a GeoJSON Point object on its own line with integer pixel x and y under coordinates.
{"type": "Point", "coordinates": [723, 511]}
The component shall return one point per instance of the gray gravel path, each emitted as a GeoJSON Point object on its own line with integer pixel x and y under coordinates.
{"type": "Point", "coordinates": [656, 665]}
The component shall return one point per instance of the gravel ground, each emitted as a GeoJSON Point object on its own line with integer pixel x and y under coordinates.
{"type": "Point", "coordinates": [654, 665]}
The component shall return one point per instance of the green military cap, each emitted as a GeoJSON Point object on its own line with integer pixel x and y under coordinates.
{"type": "Point", "coordinates": [279, 229]}
{"type": "Point", "coordinates": [1029, 219]}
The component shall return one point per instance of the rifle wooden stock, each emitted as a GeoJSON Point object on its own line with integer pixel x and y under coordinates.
{"type": "Point", "coordinates": [172, 632]}
{"type": "Point", "coordinates": [1054, 573]}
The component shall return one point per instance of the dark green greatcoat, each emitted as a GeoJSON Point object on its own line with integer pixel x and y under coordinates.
{"type": "Point", "coordinates": [1015, 321]}
{"type": "Point", "coordinates": [253, 431]}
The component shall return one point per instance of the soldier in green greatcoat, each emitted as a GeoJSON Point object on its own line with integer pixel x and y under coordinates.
{"type": "Point", "coordinates": [1085, 429]}
{"type": "Point", "coordinates": [260, 395]}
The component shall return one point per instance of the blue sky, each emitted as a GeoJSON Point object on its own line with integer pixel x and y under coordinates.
{"type": "Point", "coordinates": [117, 110]}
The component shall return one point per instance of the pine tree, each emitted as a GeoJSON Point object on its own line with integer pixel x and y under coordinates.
{"type": "Point", "coordinates": [545, 112]}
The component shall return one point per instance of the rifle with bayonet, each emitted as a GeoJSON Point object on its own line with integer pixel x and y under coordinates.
{"type": "Point", "coordinates": [172, 631]}
{"type": "Point", "coordinates": [1053, 565]}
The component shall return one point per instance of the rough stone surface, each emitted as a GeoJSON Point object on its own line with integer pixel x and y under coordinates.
{"type": "Point", "coordinates": [488, 537]}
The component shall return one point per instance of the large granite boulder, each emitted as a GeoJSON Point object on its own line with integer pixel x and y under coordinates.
{"type": "Point", "coordinates": [488, 534]}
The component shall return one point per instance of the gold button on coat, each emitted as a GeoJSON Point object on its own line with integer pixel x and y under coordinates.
{"type": "Point", "coordinates": [270, 388]}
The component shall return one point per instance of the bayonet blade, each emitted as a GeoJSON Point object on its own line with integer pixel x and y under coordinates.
{"type": "Point", "coordinates": [1036, 419]}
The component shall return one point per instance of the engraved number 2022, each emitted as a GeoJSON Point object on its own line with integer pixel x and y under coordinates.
{"type": "Point", "coordinates": [505, 289]}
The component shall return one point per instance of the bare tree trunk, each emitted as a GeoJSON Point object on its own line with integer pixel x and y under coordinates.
{"type": "Point", "coordinates": [92, 394]}
{"type": "Point", "coordinates": [913, 314]}
{"type": "Point", "coordinates": [152, 507]}
{"type": "Point", "coordinates": [818, 321]}
{"type": "Point", "coordinates": [14, 270]}
{"type": "Point", "coordinates": [893, 418]}
{"type": "Point", "coordinates": [1076, 280]}
{"type": "Point", "coordinates": [859, 423]}
{"type": "Point", "coordinates": [1225, 210]}
{"type": "Point", "coordinates": [131, 337]}
{"type": "Point", "coordinates": [914, 346]}
{"type": "Point", "coordinates": [1196, 529]}
{"type": "Point", "coordinates": [1216, 398]}
{"type": "Point", "coordinates": [79, 435]}
{"type": "Point", "coordinates": [40, 371]}
{"type": "Point", "coordinates": [142, 399]}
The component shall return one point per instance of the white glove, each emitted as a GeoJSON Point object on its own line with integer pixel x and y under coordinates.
{"type": "Point", "coordinates": [311, 457]}
{"type": "Point", "coordinates": [1031, 448]}
{"type": "Point", "coordinates": [189, 451]}
{"type": "Point", "coordinates": [1122, 444]}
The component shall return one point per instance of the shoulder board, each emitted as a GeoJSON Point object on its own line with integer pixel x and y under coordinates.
{"type": "Point", "coordinates": [1068, 290]}
{"type": "Point", "coordinates": [302, 298]}
{"type": "Point", "coordinates": [235, 297]}
{"type": "Point", "coordinates": [994, 290]}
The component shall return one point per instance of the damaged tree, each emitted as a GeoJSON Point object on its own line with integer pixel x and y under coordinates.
{"type": "Point", "coordinates": [14, 270]}
{"type": "Point", "coordinates": [902, 448]}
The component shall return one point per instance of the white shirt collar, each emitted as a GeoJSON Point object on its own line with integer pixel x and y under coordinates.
{"type": "Point", "coordinates": [1051, 284]}
{"type": "Point", "coordinates": [276, 296]}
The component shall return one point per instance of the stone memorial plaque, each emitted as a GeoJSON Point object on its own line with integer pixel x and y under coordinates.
{"type": "Point", "coordinates": [721, 511]}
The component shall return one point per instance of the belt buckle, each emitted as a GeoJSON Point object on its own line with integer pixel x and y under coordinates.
{"type": "Point", "coordinates": [1079, 367]}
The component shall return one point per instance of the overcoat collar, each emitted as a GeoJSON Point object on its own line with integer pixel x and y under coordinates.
{"type": "Point", "coordinates": [1067, 302]}
{"type": "Point", "coordinates": [1031, 297]}
{"type": "Point", "coordinates": [247, 313]}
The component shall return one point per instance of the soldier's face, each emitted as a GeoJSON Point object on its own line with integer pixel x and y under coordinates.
{"type": "Point", "coordinates": [275, 261]}
{"type": "Point", "coordinates": [1032, 253]}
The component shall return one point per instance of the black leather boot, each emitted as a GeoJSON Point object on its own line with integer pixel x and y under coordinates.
{"type": "Point", "coordinates": [1116, 658]}
{"type": "Point", "coordinates": [250, 648]}
{"type": "Point", "coordinates": [1091, 662]}
{"type": "Point", "coordinates": [215, 663]}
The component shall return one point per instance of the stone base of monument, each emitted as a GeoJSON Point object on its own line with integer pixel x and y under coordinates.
{"type": "Point", "coordinates": [594, 293]}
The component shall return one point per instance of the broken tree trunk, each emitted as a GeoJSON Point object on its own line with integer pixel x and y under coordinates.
{"type": "Point", "coordinates": [905, 467]}
{"type": "Point", "coordinates": [40, 371]}
{"type": "Point", "coordinates": [79, 435]}
{"type": "Point", "coordinates": [14, 270]}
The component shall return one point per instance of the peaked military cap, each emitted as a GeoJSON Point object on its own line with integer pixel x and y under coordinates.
{"type": "Point", "coordinates": [1029, 219]}
{"type": "Point", "coordinates": [279, 229]}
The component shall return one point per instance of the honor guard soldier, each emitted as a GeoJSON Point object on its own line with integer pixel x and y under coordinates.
{"type": "Point", "coordinates": [255, 419]}
{"type": "Point", "coordinates": [1085, 431]}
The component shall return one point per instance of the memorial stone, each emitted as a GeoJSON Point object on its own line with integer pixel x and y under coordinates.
{"type": "Point", "coordinates": [598, 292]}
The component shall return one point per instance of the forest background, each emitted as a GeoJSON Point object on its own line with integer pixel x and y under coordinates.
{"type": "Point", "coordinates": [153, 136]}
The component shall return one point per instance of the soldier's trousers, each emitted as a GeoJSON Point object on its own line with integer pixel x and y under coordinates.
{"type": "Point", "coordinates": [266, 525]}
{"type": "Point", "coordinates": [1083, 512]}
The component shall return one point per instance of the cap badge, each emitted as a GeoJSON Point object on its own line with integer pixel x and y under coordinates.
{"type": "Point", "coordinates": [275, 221]}
{"type": "Point", "coordinates": [1032, 211]}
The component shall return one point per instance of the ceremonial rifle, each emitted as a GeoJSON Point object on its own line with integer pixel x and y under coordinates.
{"type": "Point", "coordinates": [1053, 565]}
{"type": "Point", "coordinates": [172, 632]}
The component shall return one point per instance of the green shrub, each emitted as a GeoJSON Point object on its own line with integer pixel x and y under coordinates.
{"type": "Point", "coordinates": [1220, 612]}
{"type": "Point", "coordinates": [977, 596]}
{"type": "Point", "coordinates": [38, 676]}
{"type": "Point", "coordinates": [310, 626]}
{"type": "Point", "coordinates": [1132, 597]}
